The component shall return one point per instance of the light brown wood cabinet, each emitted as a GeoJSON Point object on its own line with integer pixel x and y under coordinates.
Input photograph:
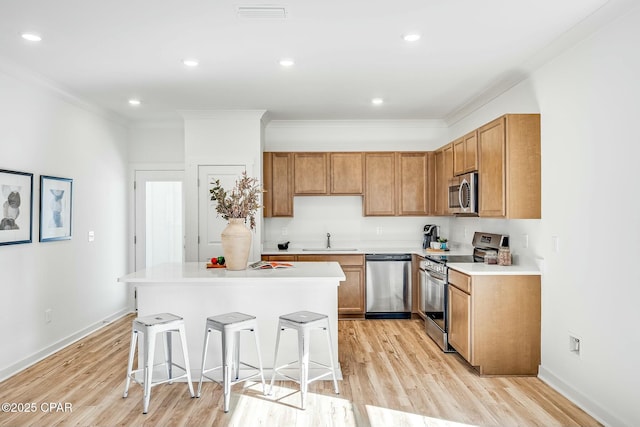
{"type": "Point", "coordinates": [465, 154]}
{"type": "Point", "coordinates": [346, 173]}
{"type": "Point", "coordinates": [351, 292]}
{"type": "Point", "coordinates": [393, 183]}
{"type": "Point", "coordinates": [494, 322]}
{"type": "Point", "coordinates": [380, 184]}
{"type": "Point", "coordinates": [443, 164]}
{"type": "Point", "coordinates": [396, 183]}
{"type": "Point", "coordinates": [509, 184]}
{"type": "Point", "coordinates": [311, 174]}
{"type": "Point", "coordinates": [277, 181]}
{"type": "Point", "coordinates": [412, 184]}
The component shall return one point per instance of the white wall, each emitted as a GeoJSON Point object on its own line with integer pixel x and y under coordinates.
{"type": "Point", "coordinates": [46, 133]}
{"type": "Point", "coordinates": [588, 100]}
{"type": "Point", "coordinates": [156, 142]}
{"type": "Point", "coordinates": [219, 138]}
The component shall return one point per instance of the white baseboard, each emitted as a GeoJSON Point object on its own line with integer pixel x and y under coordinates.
{"type": "Point", "coordinates": [48, 351]}
{"type": "Point", "coordinates": [586, 404]}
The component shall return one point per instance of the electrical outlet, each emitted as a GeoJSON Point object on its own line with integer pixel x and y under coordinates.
{"type": "Point", "coordinates": [284, 231]}
{"type": "Point", "coordinates": [525, 241]}
{"type": "Point", "coordinates": [555, 243]}
{"type": "Point", "coordinates": [91, 236]}
{"type": "Point", "coordinates": [574, 345]}
{"type": "Point", "coordinates": [378, 231]}
{"type": "Point", "coordinates": [48, 315]}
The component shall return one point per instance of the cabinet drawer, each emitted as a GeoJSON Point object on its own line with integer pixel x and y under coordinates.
{"type": "Point", "coordinates": [459, 280]}
{"type": "Point", "coordinates": [342, 259]}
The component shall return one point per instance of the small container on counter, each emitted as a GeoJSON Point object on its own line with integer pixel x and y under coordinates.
{"type": "Point", "coordinates": [504, 256]}
{"type": "Point", "coordinates": [504, 253]}
{"type": "Point", "coordinates": [491, 257]}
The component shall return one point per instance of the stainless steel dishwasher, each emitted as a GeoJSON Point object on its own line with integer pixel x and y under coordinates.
{"type": "Point", "coordinates": [388, 282]}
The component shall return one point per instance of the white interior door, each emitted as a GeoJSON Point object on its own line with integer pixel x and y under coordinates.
{"type": "Point", "coordinates": [159, 217]}
{"type": "Point", "coordinates": [210, 225]}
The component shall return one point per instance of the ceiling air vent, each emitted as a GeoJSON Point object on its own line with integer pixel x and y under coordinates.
{"type": "Point", "coordinates": [262, 12]}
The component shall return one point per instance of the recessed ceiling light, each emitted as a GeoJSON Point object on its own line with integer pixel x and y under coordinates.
{"type": "Point", "coordinates": [377, 101]}
{"type": "Point", "coordinates": [411, 37]}
{"type": "Point", "coordinates": [134, 102]}
{"type": "Point", "coordinates": [32, 37]}
{"type": "Point", "coordinates": [286, 62]}
{"type": "Point", "coordinates": [190, 62]}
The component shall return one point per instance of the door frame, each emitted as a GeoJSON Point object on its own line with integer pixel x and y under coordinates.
{"type": "Point", "coordinates": [131, 197]}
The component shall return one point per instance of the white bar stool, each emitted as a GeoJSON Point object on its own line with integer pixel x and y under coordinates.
{"type": "Point", "coordinates": [230, 325]}
{"type": "Point", "coordinates": [304, 322]}
{"type": "Point", "coordinates": [164, 323]}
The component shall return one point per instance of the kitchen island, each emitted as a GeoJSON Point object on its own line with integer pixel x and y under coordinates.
{"type": "Point", "coordinates": [194, 292]}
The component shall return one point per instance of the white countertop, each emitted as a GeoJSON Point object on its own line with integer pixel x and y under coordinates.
{"type": "Point", "coordinates": [341, 251]}
{"type": "Point", "coordinates": [197, 272]}
{"type": "Point", "coordinates": [363, 251]}
{"type": "Point", "coordinates": [479, 269]}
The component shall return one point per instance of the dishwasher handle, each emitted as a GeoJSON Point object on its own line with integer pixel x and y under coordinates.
{"type": "Point", "coordinates": [387, 257]}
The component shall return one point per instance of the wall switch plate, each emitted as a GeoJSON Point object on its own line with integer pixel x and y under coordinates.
{"type": "Point", "coordinates": [378, 231]}
{"type": "Point", "coordinates": [284, 231]}
{"type": "Point", "coordinates": [574, 344]}
{"type": "Point", "coordinates": [525, 241]}
{"type": "Point", "coordinates": [555, 243]}
{"type": "Point", "coordinates": [91, 236]}
{"type": "Point", "coordinates": [48, 315]}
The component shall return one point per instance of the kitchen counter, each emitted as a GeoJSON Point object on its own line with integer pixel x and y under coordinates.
{"type": "Point", "coordinates": [192, 291]}
{"type": "Point", "coordinates": [480, 269]}
{"type": "Point", "coordinates": [363, 251]}
{"type": "Point", "coordinates": [472, 269]}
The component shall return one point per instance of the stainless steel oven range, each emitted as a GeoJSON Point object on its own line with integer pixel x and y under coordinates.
{"type": "Point", "coordinates": [434, 283]}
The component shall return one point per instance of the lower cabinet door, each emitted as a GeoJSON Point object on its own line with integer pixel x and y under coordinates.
{"type": "Point", "coordinates": [460, 322]}
{"type": "Point", "coordinates": [351, 291]}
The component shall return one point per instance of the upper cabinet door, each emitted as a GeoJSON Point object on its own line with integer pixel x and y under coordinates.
{"type": "Point", "coordinates": [380, 184]}
{"type": "Point", "coordinates": [281, 185]}
{"type": "Point", "coordinates": [412, 184]}
{"type": "Point", "coordinates": [443, 163]}
{"type": "Point", "coordinates": [491, 180]}
{"type": "Point", "coordinates": [347, 173]}
{"type": "Point", "coordinates": [310, 174]}
{"type": "Point", "coordinates": [465, 154]}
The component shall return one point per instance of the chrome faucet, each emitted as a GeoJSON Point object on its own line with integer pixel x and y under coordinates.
{"type": "Point", "coordinates": [328, 240]}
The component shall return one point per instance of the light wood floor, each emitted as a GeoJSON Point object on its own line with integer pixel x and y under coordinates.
{"type": "Point", "coordinates": [394, 375]}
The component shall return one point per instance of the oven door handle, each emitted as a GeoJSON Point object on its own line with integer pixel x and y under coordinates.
{"type": "Point", "coordinates": [436, 278]}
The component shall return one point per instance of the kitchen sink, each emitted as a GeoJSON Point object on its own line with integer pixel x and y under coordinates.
{"type": "Point", "coordinates": [330, 249]}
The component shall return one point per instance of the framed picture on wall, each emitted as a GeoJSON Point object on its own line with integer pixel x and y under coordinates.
{"type": "Point", "coordinates": [55, 208]}
{"type": "Point", "coordinates": [16, 201]}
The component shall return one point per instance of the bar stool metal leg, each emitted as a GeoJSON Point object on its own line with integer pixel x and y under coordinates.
{"type": "Point", "coordinates": [207, 334]}
{"type": "Point", "coordinates": [185, 355]}
{"type": "Point", "coordinates": [150, 347]}
{"type": "Point", "coordinates": [132, 350]}
{"type": "Point", "coordinates": [303, 348]}
{"type": "Point", "coordinates": [333, 368]}
{"type": "Point", "coordinates": [275, 359]}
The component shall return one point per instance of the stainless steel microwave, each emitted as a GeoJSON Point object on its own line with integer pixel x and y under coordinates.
{"type": "Point", "coordinates": [463, 194]}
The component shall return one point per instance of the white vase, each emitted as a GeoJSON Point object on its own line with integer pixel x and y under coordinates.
{"type": "Point", "coordinates": [236, 244]}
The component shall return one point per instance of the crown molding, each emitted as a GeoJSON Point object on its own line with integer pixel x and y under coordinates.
{"type": "Point", "coordinates": [30, 77]}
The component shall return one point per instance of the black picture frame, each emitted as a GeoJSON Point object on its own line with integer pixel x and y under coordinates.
{"type": "Point", "coordinates": [56, 203]}
{"type": "Point", "coordinates": [16, 207]}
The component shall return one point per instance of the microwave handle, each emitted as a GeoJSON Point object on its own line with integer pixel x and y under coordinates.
{"type": "Point", "coordinates": [460, 195]}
